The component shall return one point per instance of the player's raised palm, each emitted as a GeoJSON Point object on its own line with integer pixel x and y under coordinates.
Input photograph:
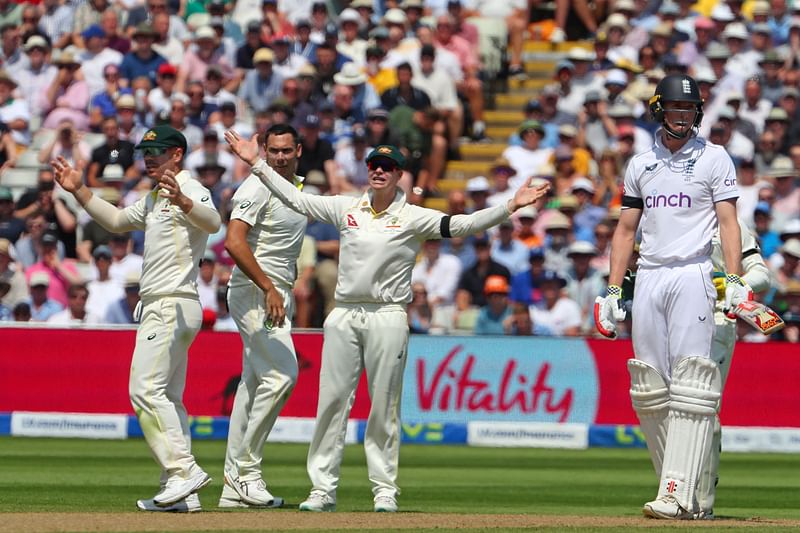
{"type": "Point", "coordinates": [247, 150]}
{"type": "Point", "coordinates": [526, 195]}
{"type": "Point", "coordinates": [66, 176]}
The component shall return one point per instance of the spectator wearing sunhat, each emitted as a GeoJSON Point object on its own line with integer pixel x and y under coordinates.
{"type": "Point", "coordinates": [206, 54]}
{"type": "Point", "coordinates": [783, 176]}
{"type": "Point", "coordinates": [478, 189]}
{"type": "Point", "coordinates": [529, 157]}
{"type": "Point", "coordinates": [143, 60]}
{"type": "Point", "coordinates": [556, 312]}
{"type": "Point", "coordinates": [42, 306]}
{"type": "Point", "coordinates": [364, 95]}
{"type": "Point", "coordinates": [121, 311]}
{"type": "Point", "coordinates": [777, 122]}
{"type": "Point", "coordinates": [60, 273]}
{"type": "Point", "coordinates": [16, 286]}
{"type": "Point", "coordinates": [37, 74]}
{"type": "Point", "coordinates": [558, 236]}
{"type": "Point", "coordinates": [784, 265]}
{"type": "Point", "coordinates": [351, 45]}
{"type": "Point", "coordinates": [210, 151]}
{"type": "Point", "coordinates": [508, 250]}
{"type": "Point", "coordinates": [584, 283]}
{"type": "Point", "coordinates": [261, 85]}
{"type": "Point", "coordinates": [501, 173]}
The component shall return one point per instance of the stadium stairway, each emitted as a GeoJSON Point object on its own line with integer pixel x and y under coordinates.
{"type": "Point", "coordinates": [503, 119]}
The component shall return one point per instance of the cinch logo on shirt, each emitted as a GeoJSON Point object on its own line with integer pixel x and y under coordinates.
{"type": "Point", "coordinates": [663, 200]}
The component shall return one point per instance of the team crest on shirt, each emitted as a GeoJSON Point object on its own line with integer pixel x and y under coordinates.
{"type": "Point", "coordinates": [393, 226]}
{"type": "Point", "coordinates": [688, 169]}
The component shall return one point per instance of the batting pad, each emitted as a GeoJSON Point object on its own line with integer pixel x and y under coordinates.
{"type": "Point", "coordinates": [694, 399]}
{"type": "Point", "coordinates": [650, 399]}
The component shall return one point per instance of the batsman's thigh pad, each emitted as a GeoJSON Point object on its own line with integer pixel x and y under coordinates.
{"type": "Point", "coordinates": [650, 399]}
{"type": "Point", "coordinates": [694, 399]}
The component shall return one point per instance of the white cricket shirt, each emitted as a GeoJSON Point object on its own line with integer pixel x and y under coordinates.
{"type": "Point", "coordinates": [678, 192]}
{"type": "Point", "coordinates": [173, 246]}
{"type": "Point", "coordinates": [377, 251]}
{"type": "Point", "coordinates": [276, 234]}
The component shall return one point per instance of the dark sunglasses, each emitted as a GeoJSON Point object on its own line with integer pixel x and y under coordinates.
{"type": "Point", "coordinates": [152, 151]}
{"type": "Point", "coordinates": [383, 164]}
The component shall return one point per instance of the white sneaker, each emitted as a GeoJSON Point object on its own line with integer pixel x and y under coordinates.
{"type": "Point", "coordinates": [667, 508]}
{"type": "Point", "coordinates": [557, 36]}
{"type": "Point", "coordinates": [179, 488]}
{"type": "Point", "coordinates": [252, 492]}
{"type": "Point", "coordinates": [704, 514]}
{"type": "Point", "coordinates": [385, 504]}
{"type": "Point", "coordinates": [230, 499]}
{"type": "Point", "coordinates": [190, 505]}
{"type": "Point", "coordinates": [318, 502]}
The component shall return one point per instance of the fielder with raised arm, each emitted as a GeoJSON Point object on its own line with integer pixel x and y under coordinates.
{"type": "Point", "coordinates": [368, 329]}
{"type": "Point", "coordinates": [684, 187]}
{"type": "Point", "coordinates": [177, 216]}
{"type": "Point", "coordinates": [264, 238]}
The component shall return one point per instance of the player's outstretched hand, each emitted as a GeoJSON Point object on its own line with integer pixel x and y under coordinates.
{"type": "Point", "coordinates": [66, 176]}
{"type": "Point", "coordinates": [608, 310]}
{"type": "Point", "coordinates": [274, 308]}
{"type": "Point", "coordinates": [527, 194]}
{"type": "Point", "coordinates": [247, 150]}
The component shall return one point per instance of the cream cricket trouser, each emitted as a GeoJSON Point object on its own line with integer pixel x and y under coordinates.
{"type": "Point", "coordinates": [269, 372]}
{"type": "Point", "coordinates": [167, 327]}
{"type": "Point", "coordinates": [673, 314]}
{"type": "Point", "coordinates": [358, 337]}
{"type": "Point", "coordinates": [722, 354]}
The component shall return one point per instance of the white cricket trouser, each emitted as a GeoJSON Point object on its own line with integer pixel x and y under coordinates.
{"type": "Point", "coordinates": [167, 327]}
{"type": "Point", "coordinates": [673, 313]}
{"type": "Point", "coordinates": [357, 337]}
{"type": "Point", "coordinates": [269, 373]}
{"type": "Point", "coordinates": [722, 354]}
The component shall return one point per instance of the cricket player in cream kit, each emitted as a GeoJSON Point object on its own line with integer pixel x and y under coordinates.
{"type": "Point", "coordinates": [381, 235]}
{"type": "Point", "coordinates": [177, 217]}
{"type": "Point", "coordinates": [682, 189]}
{"type": "Point", "coordinates": [756, 276]}
{"type": "Point", "coordinates": [264, 238]}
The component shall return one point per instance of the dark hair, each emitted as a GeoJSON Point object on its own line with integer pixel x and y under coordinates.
{"type": "Point", "coordinates": [75, 288]}
{"type": "Point", "coordinates": [282, 129]}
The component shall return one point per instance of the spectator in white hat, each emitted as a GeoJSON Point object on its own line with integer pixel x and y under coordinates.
{"type": "Point", "coordinates": [42, 307]}
{"type": "Point", "coordinates": [350, 44]}
{"type": "Point", "coordinates": [584, 283]}
{"type": "Point", "coordinates": [587, 215]}
{"type": "Point", "coordinates": [37, 74]}
{"type": "Point", "coordinates": [478, 189]}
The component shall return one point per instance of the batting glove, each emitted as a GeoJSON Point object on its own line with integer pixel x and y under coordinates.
{"type": "Point", "coordinates": [719, 285]}
{"type": "Point", "coordinates": [608, 311]}
{"type": "Point", "coordinates": [736, 292]}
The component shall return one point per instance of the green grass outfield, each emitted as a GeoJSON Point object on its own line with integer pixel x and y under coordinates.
{"type": "Point", "coordinates": [64, 475]}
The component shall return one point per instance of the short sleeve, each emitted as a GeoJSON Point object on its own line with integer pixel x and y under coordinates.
{"type": "Point", "coordinates": [631, 187]}
{"type": "Point", "coordinates": [248, 201]}
{"type": "Point", "coordinates": [723, 184]}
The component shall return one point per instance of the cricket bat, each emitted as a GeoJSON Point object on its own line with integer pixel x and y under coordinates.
{"type": "Point", "coordinates": [758, 315]}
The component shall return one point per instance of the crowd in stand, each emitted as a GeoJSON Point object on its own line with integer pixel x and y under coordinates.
{"type": "Point", "coordinates": [85, 78]}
